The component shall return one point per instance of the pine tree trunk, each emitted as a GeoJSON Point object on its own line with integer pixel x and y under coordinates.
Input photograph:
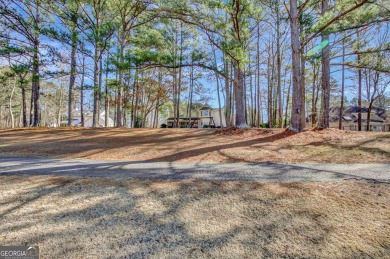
{"type": "Point", "coordinates": [36, 88]}
{"type": "Point", "coordinates": [255, 98]}
{"type": "Point", "coordinates": [132, 99]}
{"type": "Point", "coordinates": [72, 78]}
{"type": "Point", "coordinates": [96, 90]}
{"type": "Point", "coordinates": [106, 101]}
{"type": "Point", "coordinates": [359, 87]}
{"type": "Point", "coordinates": [35, 72]}
{"type": "Point", "coordinates": [342, 87]}
{"type": "Point", "coordinates": [99, 93]}
{"type": "Point", "coordinates": [31, 107]}
{"type": "Point", "coordinates": [155, 122]}
{"type": "Point", "coordinates": [287, 102]}
{"type": "Point", "coordinates": [119, 122]}
{"type": "Point", "coordinates": [82, 94]}
{"type": "Point", "coordinates": [59, 106]}
{"type": "Point", "coordinates": [24, 107]}
{"type": "Point", "coordinates": [303, 88]}
{"type": "Point", "coordinates": [174, 90]}
{"type": "Point", "coordinates": [135, 116]}
{"type": "Point", "coordinates": [228, 104]}
{"type": "Point", "coordinates": [325, 76]}
{"type": "Point", "coordinates": [218, 93]}
{"type": "Point", "coordinates": [178, 88]}
{"type": "Point", "coordinates": [259, 108]}
{"type": "Point", "coordinates": [191, 93]}
{"type": "Point", "coordinates": [269, 97]}
{"type": "Point", "coordinates": [359, 97]}
{"type": "Point", "coordinates": [20, 118]}
{"type": "Point", "coordinates": [252, 105]}
{"type": "Point", "coordinates": [313, 102]}
{"type": "Point", "coordinates": [244, 96]}
{"type": "Point", "coordinates": [296, 122]}
{"type": "Point", "coordinates": [279, 67]}
{"type": "Point", "coordinates": [373, 96]}
{"type": "Point", "coordinates": [232, 94]}
{"type": "Point", "coordinates": [11, 114]}
{"type": "Point", "coordinates": [239, 96]}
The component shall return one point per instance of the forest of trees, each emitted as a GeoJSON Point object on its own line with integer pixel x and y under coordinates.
{"type": "Point", "coordinates": [270, 63]}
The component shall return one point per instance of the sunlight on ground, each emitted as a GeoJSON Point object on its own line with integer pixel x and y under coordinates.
{"type": "Point", "coordinates": [89, 218]}
{"type": "Point", "coordinates": [190, 145]}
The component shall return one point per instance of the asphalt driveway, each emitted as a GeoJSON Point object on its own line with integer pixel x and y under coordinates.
{"type": "Point", "coordinates": [261, 172]}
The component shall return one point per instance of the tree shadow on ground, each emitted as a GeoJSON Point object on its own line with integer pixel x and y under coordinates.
{"type": "Point", "coordinates": [111, 219]}
{"type": "Point", "coordinates": [122, 170]}
{"type": "Point", "coordinates": [178, 145]}
{"type": "Point", "coordinates": [61, 143]}
{"type": "Point", "coordinates": [199, 151]}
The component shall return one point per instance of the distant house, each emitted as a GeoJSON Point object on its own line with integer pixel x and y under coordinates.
{"type": "Point", "coordinates": [379, 118]}
{"type": "Point", "coordinates": [184, 122]}
{"type": "Point", "coordinates": [210, 116]}
{"type": "Point", "coordinates": [205, 117]}
{"type": "Point", "coordinates": [88, 119]}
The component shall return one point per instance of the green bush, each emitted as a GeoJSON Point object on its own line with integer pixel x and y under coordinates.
{"type": "Point", "coordinates": [138, 122]}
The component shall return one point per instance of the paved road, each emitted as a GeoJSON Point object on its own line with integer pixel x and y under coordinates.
{"type": "Point", "coordinates": [262, 172]}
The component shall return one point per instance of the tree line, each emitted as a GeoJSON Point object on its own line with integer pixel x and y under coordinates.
{"type": "Point", "coordinates": [270, 62]}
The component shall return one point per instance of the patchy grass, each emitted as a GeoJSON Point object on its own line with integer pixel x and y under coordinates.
{"type": "Point", "coordinates": [256, 145]}
{"type": "Point", "coordinates": [90, 218]}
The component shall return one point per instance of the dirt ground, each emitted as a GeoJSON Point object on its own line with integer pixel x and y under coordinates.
{"type": "Point", "coordinates": [94, 218]}
{"type": "Point", "coordinates": [211, 145]}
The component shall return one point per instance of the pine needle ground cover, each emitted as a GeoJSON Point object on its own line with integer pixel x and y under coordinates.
{"type": "Point", "coordinates": [194, 145]}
